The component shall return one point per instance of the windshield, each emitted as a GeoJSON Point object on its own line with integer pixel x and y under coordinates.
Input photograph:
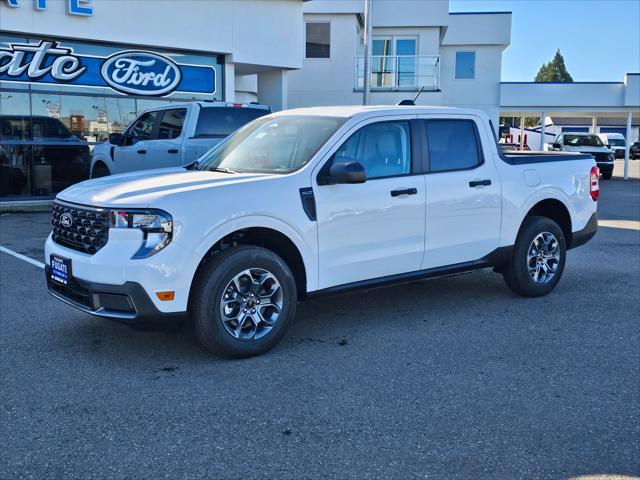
{"type": "Point", "coordinates": [616, 142]}
{"type": "Point", "coordinates": [583, 141]}
{"type": "Point", "coordinates": [272, 144]}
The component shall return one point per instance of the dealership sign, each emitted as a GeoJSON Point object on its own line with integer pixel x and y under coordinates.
{"type": "Point", "coordinates": [134, 72]}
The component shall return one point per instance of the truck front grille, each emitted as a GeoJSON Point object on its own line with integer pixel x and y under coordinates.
{"type": "Point", "coordinates": [80, 228]}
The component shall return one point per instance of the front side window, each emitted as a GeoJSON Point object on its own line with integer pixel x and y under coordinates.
{"type": "Point", "coordinates": [384, 149]}
{"type": "Point", "coordinates": [453, 145]}
{"type": "Point", "coordinates": [465, 65]}
{"type": "Point", "coordinates": [271, 144]}
{"type": "Point", "coordinates": [318, 43]}
{"type": "Point", "coordinates": [142, 129]}
{"type": "Point", "coordinates": [49, 129]}
{"type": "Point", "coordinates": [171, 123]}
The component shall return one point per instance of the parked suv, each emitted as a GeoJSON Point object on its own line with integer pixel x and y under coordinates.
{"type": "Point", "coordinates": [39, 156]}
{"type": "Point", "coordinates": [591, 144]}
{"type": "Point", "coordinates": [634, 151]}
{"type": "Point", "coordinates": [171, 136]}
{"type": "Point", "coordinates": [312, 202]}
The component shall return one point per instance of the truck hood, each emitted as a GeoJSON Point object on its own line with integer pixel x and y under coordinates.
{"type": "Point", "coordinates": [143, 189]}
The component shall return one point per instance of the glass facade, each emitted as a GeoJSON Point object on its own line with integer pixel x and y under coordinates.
{"type": "Point", "coordinates": [48, 128]}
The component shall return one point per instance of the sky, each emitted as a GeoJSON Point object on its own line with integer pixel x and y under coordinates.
{"type": "Point", "coordinates": [599, 39]}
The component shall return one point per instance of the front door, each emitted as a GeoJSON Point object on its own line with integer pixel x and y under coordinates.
{"type": "Point", "coordinates": [464, 200]}
{"type": "Point", "coordinates": [375, 229]}
{"type": "Point", "coordinates": [133, 153]}
{"type": "Point", "coordinates": [166, 150]}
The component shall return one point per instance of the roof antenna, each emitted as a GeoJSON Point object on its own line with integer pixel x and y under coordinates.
{"type": "Point", "coordinates": [407, 102]}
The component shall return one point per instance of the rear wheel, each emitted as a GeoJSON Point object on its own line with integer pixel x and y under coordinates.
{"type": "Point", "coordinates": [99, 170]}
{"type": "Point", "coordinates": [538, 258]}
{"type": "Point", "coordinates": [244, 299]}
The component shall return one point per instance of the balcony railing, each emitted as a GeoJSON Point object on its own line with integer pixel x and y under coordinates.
{"type": "Point", "coordinates": [400, 72]}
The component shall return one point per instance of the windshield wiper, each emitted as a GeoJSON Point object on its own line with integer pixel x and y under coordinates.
{"type": "Point", "coordinates": [222, 169]}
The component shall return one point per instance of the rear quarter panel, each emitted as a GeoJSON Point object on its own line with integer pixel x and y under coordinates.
{"type": "Point", "coordinates": [523, 186]}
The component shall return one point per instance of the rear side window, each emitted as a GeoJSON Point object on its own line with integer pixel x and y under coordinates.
{"type": "Point", "coordinates": [223, 121]}
{"type": "Point", "coordinates": [14, 128]}
{"type": "Point", "coordinates": [171, 124]}
{"type": "Point", "coordinates": [453, 145]}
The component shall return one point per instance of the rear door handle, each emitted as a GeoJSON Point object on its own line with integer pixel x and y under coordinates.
{"type": "Point", "coordinates": [406, 191]}
{"type": "Point", "coordinates": [173, 150]}
{"type": "Point", "coordinates": [479, 183]}
{"type": "Point", "coordinates": [142, 152]}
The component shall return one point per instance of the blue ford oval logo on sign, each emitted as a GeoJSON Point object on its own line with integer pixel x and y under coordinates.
{"type": "Point", "coordinates": [141, 73]}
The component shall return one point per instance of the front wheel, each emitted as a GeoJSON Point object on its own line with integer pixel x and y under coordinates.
{"type": "Point", "coordinates": [99, 170]}
{"type": "Point", "coordinates": [244, 299]}
{"type": "Point", "coordinates": [607, 175]}
{"type": "Point", "coordinates": [538, 258]}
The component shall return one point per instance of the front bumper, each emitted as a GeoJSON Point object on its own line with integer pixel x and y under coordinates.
{"type": "Point", "coordinates": [127, 303]}
{"type": "Point", "coordinates": [134, 283]}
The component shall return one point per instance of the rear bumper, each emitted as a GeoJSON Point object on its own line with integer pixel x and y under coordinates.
{"type": "Point", "coordinates": [583, 236]}
{"type": "Point", "coordinates": [127, 303]}
{"type": "Point", "coordinates": [605, 167]}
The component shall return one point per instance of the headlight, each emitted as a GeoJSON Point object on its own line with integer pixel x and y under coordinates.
{"type": "Point", "coordinates": [612, 156]}
{"type": "Point", "coordinates": [156, 226]}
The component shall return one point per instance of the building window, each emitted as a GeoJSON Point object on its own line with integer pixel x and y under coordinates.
{"type": "Point", "coordinates": [318, 43]}
{"type": "Point", "coordinates": [465, 65]}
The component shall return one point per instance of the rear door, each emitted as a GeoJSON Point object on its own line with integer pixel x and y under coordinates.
{"type": "Point", "coordinates": [165, 150]}
{"type": "Point", "coordinates": [133, 153]}
{"type": "Point", "coordinates": [463, 210]}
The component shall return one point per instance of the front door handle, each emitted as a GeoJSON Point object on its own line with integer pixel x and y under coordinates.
{"type": "Point", "coordinates": [406, 191]}
{"type": "Point", "coordinates": [173, 150]}
{"type": "Point", "coordinates": [479, 183]}
{"type": "Point", "coordinates": [142, 152]}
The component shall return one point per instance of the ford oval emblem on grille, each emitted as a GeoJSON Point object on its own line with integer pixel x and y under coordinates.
{"type": "Point", "coordinates": [141, 73]}
{"type": "Point", "coordinates": [66, 220]}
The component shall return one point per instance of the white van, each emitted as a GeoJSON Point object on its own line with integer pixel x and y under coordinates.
{"type": "Point", "coordinates": [616, 142]}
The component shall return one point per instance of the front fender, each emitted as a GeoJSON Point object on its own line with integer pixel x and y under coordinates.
{"type": "Point", "coordinates": [302, 241]}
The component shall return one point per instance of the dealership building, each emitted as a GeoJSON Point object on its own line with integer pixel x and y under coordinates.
{"type": "Point", "coordinates": [89, 67]}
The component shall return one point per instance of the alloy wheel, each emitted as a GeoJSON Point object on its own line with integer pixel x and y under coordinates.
{"type": "Point", "coordinates": [543, 257]}
{"type": "Point", "coordinates": [251, 304]}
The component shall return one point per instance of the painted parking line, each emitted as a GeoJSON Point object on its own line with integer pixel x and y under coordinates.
{"type": "Point", "coordinates": [21, 257]}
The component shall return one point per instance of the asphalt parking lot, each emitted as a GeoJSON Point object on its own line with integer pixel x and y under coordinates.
{"type": "Point", "coordinates": [450, 378]}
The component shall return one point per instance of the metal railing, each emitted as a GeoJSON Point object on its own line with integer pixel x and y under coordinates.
{"type": "Point", "coordinates": [400, 72]}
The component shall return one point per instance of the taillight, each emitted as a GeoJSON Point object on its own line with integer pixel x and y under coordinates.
{"type": "Point", "coordinates": [594, 183]}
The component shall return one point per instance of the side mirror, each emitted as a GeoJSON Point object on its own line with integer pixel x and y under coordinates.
{"type": "Point", "coordinates": [115, 138]}
{"type": "Point", "coordinates": [557, 146]}
{"type": "Point", "coordinates": [346, 172]}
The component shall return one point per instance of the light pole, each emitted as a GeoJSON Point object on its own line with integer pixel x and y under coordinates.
{"type": "Point", "coordinates": [366, 97]}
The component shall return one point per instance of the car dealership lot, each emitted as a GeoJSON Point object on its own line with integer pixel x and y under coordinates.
{"type": "Point", "coordinates": [451, 378]}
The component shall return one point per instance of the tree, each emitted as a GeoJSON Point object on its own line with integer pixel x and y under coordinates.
{"type": "Point", "coordinates": [554, 71]}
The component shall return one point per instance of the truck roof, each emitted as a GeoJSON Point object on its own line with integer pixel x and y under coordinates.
{"type": "Point", "coordinates": [353, 110]}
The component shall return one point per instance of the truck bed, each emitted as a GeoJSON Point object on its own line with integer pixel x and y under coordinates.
{"type": "Point", "coordinates": [523, 158]}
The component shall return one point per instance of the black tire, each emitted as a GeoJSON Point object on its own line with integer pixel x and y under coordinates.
{"type": "Point", "coordinates": [100, 170]}
{"type": "Point", "coordinates": [607, 175]}
{"type": "Point", "coordinates": [516, 273]}
{"type": "Point", "coordinates": [211, 284]}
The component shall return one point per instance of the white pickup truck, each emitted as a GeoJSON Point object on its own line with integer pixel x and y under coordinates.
{"type": "Point", "coordinates": [316, 201]}
{"type": "Point", "coordinates": [171, 136]}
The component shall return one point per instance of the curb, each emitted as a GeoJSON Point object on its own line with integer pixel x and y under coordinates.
{"type": "Point", "coordinates": [26, 206]}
